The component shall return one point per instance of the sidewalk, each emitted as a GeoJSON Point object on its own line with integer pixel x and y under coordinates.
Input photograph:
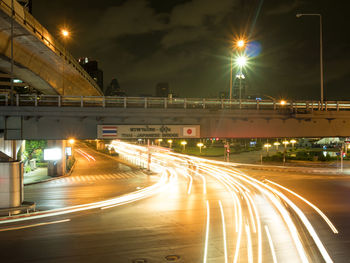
{"type": "Point", "coordinates": [36, 176]}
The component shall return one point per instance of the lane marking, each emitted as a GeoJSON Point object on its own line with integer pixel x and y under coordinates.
{"type": "Point", "coordinates": [34, 225]}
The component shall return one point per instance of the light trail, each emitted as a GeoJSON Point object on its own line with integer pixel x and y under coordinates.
{"type": "Point", "coordinates": [249, 244]}
{"type": "Point", "coordinates": [273, 253]}
{"type": "Point", "coordinates": [206, 234]}
{"type": "Point", "coordinates": [223, 231]}
{"type": "Point", "coordinates": [34, 225]}
{"type": "Point", "coordinates": [325, 218]}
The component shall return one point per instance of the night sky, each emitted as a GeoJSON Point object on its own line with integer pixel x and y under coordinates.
{"type": "Point", "coordinates": [187, 43]}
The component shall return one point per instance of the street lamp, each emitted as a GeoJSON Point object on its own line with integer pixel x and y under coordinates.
{"type": "Point", "coordinates": [200, 145]}
{"type": "Point", "coordinates": [170, 143]}
{"type": "Point", "coordinates": [241, 61]}
{"type": "Point", "coordinates": [159, 141]}
{"type": "Point", "coordinates": [277, 144]}
{"type": "Point", "coordinates": [321, 52]}
{"type": "Point", "coordinates": [183, 143]}
{"type": "Point", "coordinates": [267, 146]}
{"type": "Point", "coordinates": [65, 34]}
{"type": "Point", "coordinates": [240, 44]}
{"type": "Point", "coordinates": [293, 142]}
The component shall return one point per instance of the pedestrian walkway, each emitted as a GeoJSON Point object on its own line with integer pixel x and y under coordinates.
{"type": "Point", "coordinates": [36, 176]}
{"type": "Point", "coordinates": [97, 177]}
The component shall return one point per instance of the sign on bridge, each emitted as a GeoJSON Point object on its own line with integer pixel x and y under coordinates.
{"type": "Point", "coordinates": [147, 131]}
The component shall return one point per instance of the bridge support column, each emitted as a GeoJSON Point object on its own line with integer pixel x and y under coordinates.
{"type": "Point", "coordinates": [11, 186]}
{"type": "Point", "coordinates": [57, 168]}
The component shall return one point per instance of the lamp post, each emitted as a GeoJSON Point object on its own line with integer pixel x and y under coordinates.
{"type": "Point", "coordinates": [293, 142]}
{"type": "Point", "coordinates": [277, 144]}
{"type": "Point", "coordinates": [321, 52]}
{"type": "Point", "coordinates": [267, 146]}
{"type": "Point", "coordinates": [241, 61]}
{"type": "Point", "coordinates": [65, 34]}
{"type": "Point", "coordinates": [200, 145]}
{"type": "Point", "coordinates": [285, 143]}
{"type": "Point", "coordinates": [183, 143]}
{"type": "Point", "coordinates": [170, 142]}
{"type": "Point", "coordinates": [240, 44]}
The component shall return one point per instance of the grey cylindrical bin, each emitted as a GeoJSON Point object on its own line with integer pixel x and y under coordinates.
{"type": "Point", "coordinates": [11, 184]}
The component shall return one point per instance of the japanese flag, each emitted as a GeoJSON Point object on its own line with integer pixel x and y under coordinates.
{"type": "Point", "coordinates": [189, 131]}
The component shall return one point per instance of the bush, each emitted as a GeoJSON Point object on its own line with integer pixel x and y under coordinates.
{"type": "Point", "coordinates": [27, 169]}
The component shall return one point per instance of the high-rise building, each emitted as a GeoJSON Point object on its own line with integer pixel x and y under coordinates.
{"type": "Point", "coordinates": [239, 86]}
{"type": "Point", "coordinates": [162, 89]}
{"type": "Point", "coordinates": [91, 67]}
{"type": "Point", "coordinates": [113, 89]}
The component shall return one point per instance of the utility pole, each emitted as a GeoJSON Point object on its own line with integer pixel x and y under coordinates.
{"type": "Point", "coordinates": [12, 62]}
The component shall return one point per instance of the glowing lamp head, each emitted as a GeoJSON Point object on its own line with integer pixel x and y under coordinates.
{"type": "Point", "coordinates": [283, 102]}
{"type": "Point", "coordinates": [276, 143]}
{"type": "Point", "coordinates": [71, 141]}
{"type": "Point", "coordinates": [65, 33]}
{"type": "Point", "coordinates": [170, 141]}
{"type": "Point", "coordinates": [240, 43]}
{"type": "Point", "coordinates": [293, 141]}
{"type": "Point", "coordinates": [267, 145]}
{"type": "Point", "coordinates": [241, 61]}
{"type": "Point", "coordinates": [160, 140]}
{"type": "Point", "coordinates": [200, 144]}
{"type": "Point", "coordinates": [285, 142]}
{"type": "Point", "coordinates": [183, 143]}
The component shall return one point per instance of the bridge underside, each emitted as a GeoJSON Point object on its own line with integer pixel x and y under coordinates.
{"type": "Point", "coordinates": [58, 123]}
{"type": "Point", "coordinates": [39, 60]}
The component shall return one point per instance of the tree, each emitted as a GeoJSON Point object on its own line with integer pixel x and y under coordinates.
{"type": "Point", "coordinates": [34, 148]}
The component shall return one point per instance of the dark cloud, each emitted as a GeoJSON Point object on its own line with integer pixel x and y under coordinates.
{"type": "Point", "coordinates": [188, 42]}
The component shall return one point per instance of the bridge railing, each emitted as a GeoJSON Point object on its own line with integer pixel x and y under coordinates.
{"type": "Point", "coordinates": [170, 103]}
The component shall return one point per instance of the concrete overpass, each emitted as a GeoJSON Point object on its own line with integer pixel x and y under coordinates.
{"type": "Point", "coordinates": [62, 117]}
{"type": "Point", "coordinates": [39, 59]}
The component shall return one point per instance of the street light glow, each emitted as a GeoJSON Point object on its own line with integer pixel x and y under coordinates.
{"type": "Point", "coordinates": [65, 32]}
{"type": "Point", "coordinates": [283, 102]}
{"type": "Point", "coordinates": [240, 43]}
{"type": "Point", "coordinates": [241, 61]}
{"type": "Point", "coordinates": [183, 143]}
{"type": "Point", "coordinates": [71, 141]}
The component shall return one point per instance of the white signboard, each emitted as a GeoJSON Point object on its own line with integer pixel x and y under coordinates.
{"type": "Point", "coordinates": [147, 131]}
{"type": "Point", "coordinates": [53, 154]}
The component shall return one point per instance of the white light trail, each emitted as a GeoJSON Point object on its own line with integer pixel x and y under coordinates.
{"type": "Point", "coordinates": [325, 218]}
{"type": "Point", "coordinates": [223, 231]}
{"type": "Point", "coordinates": [273, 253]}
{"type": "Point", "coordinates": [206, 234]}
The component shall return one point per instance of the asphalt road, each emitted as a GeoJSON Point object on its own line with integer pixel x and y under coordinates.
{"type": "Point", "coordinates": [192, 218]}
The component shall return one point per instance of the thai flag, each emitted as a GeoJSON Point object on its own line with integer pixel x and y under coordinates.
{"type": "Point", "coordinates": [109, 131]}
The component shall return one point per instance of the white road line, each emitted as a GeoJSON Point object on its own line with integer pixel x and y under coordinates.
{"type": "Point", "coordinates": [34, 225]}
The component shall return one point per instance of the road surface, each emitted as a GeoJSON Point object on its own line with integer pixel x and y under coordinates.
{"type": "Point", "coordinates": [194, 211]}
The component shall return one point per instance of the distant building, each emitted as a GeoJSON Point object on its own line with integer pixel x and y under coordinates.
{"type": "Point", "coordinates": [113, 89]}
{"type": "Point", "coordinates": [239, 85]}
{"type": "Point", "coordinates": [162, 89]}
{"type": "Point", "coordinates": [91, 67]}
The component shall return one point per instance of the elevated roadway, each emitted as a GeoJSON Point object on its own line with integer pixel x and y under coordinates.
{"type": "Point", "coordinates": [39, 59]}
{"type": "Point", "coordinates": [61, 117]}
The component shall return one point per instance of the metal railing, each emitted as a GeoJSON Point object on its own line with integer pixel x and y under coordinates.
{"type": "Point", "coordinates": [170, 103]}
